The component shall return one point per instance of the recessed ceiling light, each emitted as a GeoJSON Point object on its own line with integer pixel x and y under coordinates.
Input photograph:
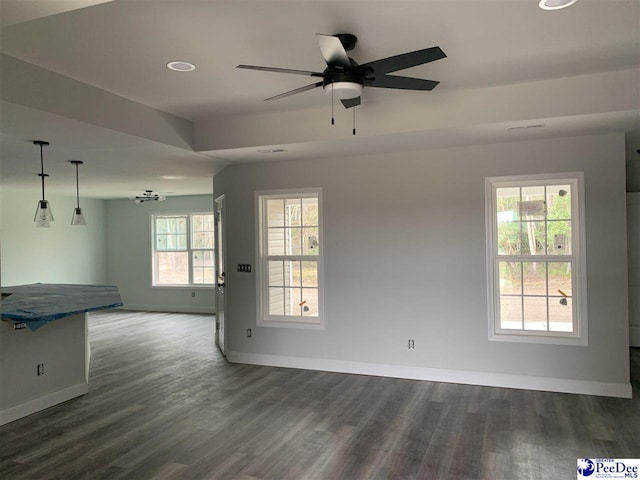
{"type": "Point", "coordinates": [523, 127]}
{"type": "Point", "coordinates": [555, 4]}
{"type": "Point", "coordinates": [272, 150]}
{"type": "Point", "coordinates": [180, 66]}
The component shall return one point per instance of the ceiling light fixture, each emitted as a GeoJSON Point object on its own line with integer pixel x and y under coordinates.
{"type": "Point", "coordinates": [180, 66]}
{"type": "Point", "coordinates": [43, 215]}
{"type": "Point", "coordinates": [555, 4]}
{"type": "Point", "coordinates": [271, 150]}
{"type": "Point", "coordinates": [524, 127]}
{"type": "Point", "coordinates": [343, 90]}
{"type": "Point", "coordinates": [77, 218]}
{"type": "Point", "coordinates": [149, 196]}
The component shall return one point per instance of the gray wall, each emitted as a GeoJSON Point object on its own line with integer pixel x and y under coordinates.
{"type": "Point", "coordinates": [404, 257]}
{"type": "Point", "coordinates": [129, 253]}
{"type": "Point", "coordinates": [60, 254]}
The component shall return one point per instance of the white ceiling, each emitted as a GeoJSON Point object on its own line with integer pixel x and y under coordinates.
{"type": "Point", "coordinates": [504, 56]}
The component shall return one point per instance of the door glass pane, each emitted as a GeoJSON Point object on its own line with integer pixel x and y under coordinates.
{"type": "Point", "coordinates": [535, 313]}
{"type": "Point", "coordinates": [172, 268]}
{"type": "Point", "coordinates": [535, 278]}
{"type": "Point", "coordinates": [559, 202]}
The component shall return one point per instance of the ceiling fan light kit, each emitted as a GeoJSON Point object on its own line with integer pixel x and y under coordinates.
{"type": "Point", "coordinates": [343, 90]}
{"type": "Point", "coordinates": [149, 196]}
{"type": "Point", "coordinates": [345, 80]}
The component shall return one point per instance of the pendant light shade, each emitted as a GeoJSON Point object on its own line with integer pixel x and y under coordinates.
{"type": "Point", "coordinates": [43, 215]}
{"type": "Point", "coordinates": [77, 218]}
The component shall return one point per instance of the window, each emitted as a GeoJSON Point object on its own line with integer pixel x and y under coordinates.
{"type": "Point", "coordinates": [183, 249]}
{"type": "Point", "coordinates": [535, 252]}
{"type": "Point", "coordinates": [290, 252]}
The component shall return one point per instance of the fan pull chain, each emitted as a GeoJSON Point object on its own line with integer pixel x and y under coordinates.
{"type": "Point", "coordinates": [354, 120]}
{"type": "Point", "coordinates": [332, 119]}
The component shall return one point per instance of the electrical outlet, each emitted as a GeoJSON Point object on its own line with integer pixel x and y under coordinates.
{"type": "Point", "coordinates": [193, 294]}
{"type": "Point", "coordinates": [40, 369]}
{"type": "Point", "coordinates": [411, 344]}
{"type": "Point", "coordinates": [249, 333]}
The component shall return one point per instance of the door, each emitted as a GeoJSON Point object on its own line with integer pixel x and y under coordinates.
{"type": "Point", "coordinates": [221, 339]}
{"type": "Point", "coordinates": [633, 244]}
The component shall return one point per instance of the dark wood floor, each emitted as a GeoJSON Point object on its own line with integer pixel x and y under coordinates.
{"type": "Point", "coordinates": [164, 404]}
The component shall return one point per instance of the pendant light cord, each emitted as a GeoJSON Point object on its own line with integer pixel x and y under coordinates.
{"type": "Point", "coordinates": [77, 189]}
{"type": "Point", "coordinates": [42, 171]}
{"type": "Point", "coordinates": [332, 118]}
{"type": "Point", "coordinates": [354, 120]}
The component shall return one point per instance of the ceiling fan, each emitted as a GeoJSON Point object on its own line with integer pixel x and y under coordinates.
{"type": "Point", "coordinates": [148, 196]}
{"type": "Point", "coordinates": [345, 79]}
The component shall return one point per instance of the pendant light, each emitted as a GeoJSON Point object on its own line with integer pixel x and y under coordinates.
{"type": "Point", "coordinates": [77, 218]}
{"type": "Point", "coordinates": [43, 215]}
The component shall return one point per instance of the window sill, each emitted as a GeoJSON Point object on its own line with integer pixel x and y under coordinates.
{"type": "Point", "coordinates": [531, 337]}
{"type": "Point", "coordinates": [184, 287]}
{"type": "Point", "coordinates": [317, 324]}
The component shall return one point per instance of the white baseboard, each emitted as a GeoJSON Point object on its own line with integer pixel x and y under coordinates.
{"type": "Point", "coordinates": [634, 336]}
{"type": "Point", "coordinates": [488, 379]}
{"type": "Point", "coordinates": [169, 309]}
{"type": "Point", "coordinates": [32, 406]}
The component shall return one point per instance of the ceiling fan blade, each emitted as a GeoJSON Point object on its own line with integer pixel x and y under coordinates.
{"type": "Point", "coordinates": [405, 60]}
{"type": "Point", "coordinates": [351, 102]}
{"type": "Point", "coordinates": [333, 51]}
{"type": "Point", "coordinates": [403, 83]}
{"type": "Point", "coordinates": [297, 90]}
{"type": "Point", "coordinates": [281, 70]}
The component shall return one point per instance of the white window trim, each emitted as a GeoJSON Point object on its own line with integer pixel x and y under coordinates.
{"type": "Point", "coordinates": [578, 246]}
{"type": "Point", "coordinates": [263, 319]}
{"type": "Point", "coordinates": [164, 213]}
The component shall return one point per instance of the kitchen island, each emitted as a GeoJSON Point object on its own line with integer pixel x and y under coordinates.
{"type": "Point", "coordinates": [44, 347]}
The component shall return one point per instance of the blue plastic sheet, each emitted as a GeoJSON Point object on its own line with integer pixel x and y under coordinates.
{"type": "Point", "coordinates": [39, 303]}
